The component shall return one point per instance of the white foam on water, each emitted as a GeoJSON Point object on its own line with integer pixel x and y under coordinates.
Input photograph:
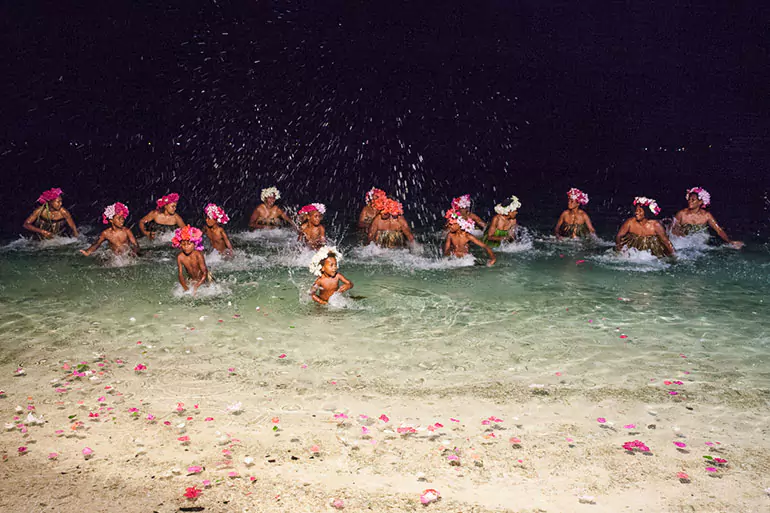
{"type": "Point", "coordinates": [266, 235]}
{"type": "Point", "coordinates": [240, 261]}
{"type": "Point", "coordinates": [524, 242]}
{"type": "Point", "coordinates": [408, 259]}
{"type": "Point", "coordinates": [207, 290]}
{"type": "Point", "coordinates": [631, 259]}
{"type": "Point", "coordinates": [30, 244]}
{"type": "Point", "coordinates": [111, 260]}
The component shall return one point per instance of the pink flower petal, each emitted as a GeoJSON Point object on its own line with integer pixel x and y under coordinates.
{"type": "Point", "coordinates": [601, 420]}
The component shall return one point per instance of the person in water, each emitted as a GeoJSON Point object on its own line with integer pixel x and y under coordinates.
{"type": "Point", "coordinates": [324, 265]}
{"type": "Point", "coordinates": [312, 232]}
{"type": "Point", "coordinates": [268, 214]}
{"type": "Point", "coordinates": [369, 212]}
{"type": "Point", "coordinates": [574, 223]}
{"type": "Point", "coordinates": [163, 218]}
{"type": "Point", "coordinates": [644, 234]}
{"type": "Point", "coordinates": [389, 229]}
{"type": "Point", "coordinates": [459, 236]}
{"type": "Point", "coordinates": [49, 218]}
{"type": "Point", "coordinates": [190, 259]}
{"type": "Point", "coordinates": [502, 228]}
{"type": "Point", "coordinates": [215, 218]}
{"type": "Point", "coordinates": [696, 219]}
{"type": "Point", "coordinates": [120, 238]}
{"type": "Point", "coordinates": [462, 205]}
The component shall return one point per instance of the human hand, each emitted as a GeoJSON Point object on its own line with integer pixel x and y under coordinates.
{"type": "Point", "coordinates": [737, 244]}
{"type": "Point", "coordinates": [46, 234]}
{"type": "Point", "coordinates": [491, 262]}
{"type": "Point", "coordinates": [84, 252]}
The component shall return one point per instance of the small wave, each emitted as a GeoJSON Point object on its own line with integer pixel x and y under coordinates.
{"type": "Point", "coordinates": [240, 261]}
{"type": "Point", "coordinates": [29, 244]}
{"type": "Point", "coordinates": [632, 259]}
{"type": "Point", "coordinates": [206, 290]}
{"type": "Point", "coordinates": [111, 260]}
{"type": "Point", "coordinates": [409, 259]}
{"type": "Point", "coordinates": [271, 235]}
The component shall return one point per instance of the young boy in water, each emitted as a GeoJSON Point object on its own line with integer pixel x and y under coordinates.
{"type": "Point", "coordinates": [312, 232]}
{"type": "Point", "coordinates": [324, 265]}
{"type": "Point", "coordinates": [458, 238]}
{"type": "Point", "coordinates": [190, 259]}
{"type": "Point", "coordinates": [215, 218]}
{"type": "Point", "coordinates": [120, 238]}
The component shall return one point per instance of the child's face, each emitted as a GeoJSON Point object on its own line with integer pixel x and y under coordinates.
{"type": "Point", "coordinates": [454, 227]}
{"type": "Point", "coordinates": [170, 209]}
{"type": "Point", "coordinates": [211, 222]}
{"type": "Point", "coordinates": [329, 267]}
{"type": "Point", "coordinates": [315, 218]}
{"type": "Point", "coordinates": [187, 247]}
{"type": "Point", "coordinates": [118, 221]}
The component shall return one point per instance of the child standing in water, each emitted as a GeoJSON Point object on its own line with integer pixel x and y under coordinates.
{"type": "Point", "coordinates": [190, 240]}
{"type": "Point", "coordinates": [215, 218]}
{"type": "Point", "coordinates": [324, 265]}
{"type": "Point", "coordinates": [574, 223]}
{"type": "Point", "coordinates": [458, 238]}
{"type": "Point", "coordinates": [312, 232]}
{"type": "Point", "coordinates": [120, 238]}
{"type": "Point", "coordinates": [49, 218]}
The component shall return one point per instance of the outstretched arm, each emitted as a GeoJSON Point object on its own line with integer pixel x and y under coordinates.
{"type": "Point", "coordinates": [28, 224]}
{"type": "Point", "coordinates": [228, 245]}
{"type": "Point", "coordinates": [132, 241]}
{"type": "Point", "coordinates": [558, 224]}
{"type": "Point", "coordinates": [406, 230]}
{"type": "Point", "coordinates": [661, 233]}
{"type": "Point", "coordinates": [624, 228]}
{"type": "Point", "coordinates": [95, 245]}
{"type": "Point", "coordinates": [447, 245]}
{"type": "Point", "coordinates": [143, 221]}
{"type": "Point", "coordinates": [253, 218]}
{"type": "Point", "coordinates": [490, 253]}
{"type": "Point", "coordinates": [313, 295]}
{"type": "Point", "coordinates": [346, 284]}
{"type": "Point", "coordinates": [179, 221]}
{"type": "Point", "coordinates": [70, 222]}
{"type": "Point", "coordinates": [362, 218]}
{"type": "Point", "coordinates": [182, 280]}
{"type": "Point", "coordinates": [676, 226]}
{"type": "Point", "coordinates": [203, 268]}
{"type": "Point", "coordinates": [712, 222]}
{"type": "Point", "coordinates": [478, 220]}
{"type": "Point", "coordinates": [589, 224]}
{"type": "Point", "coordinates": [288, 219]}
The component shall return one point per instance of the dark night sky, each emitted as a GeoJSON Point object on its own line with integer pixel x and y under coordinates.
{"type": "Point", "coordinates": [130, 100]}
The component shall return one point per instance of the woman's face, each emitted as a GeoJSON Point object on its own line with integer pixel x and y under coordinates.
{"type": "Point", "coordinates": [693, 201]}
{"type": "Point", "coordinates": [55, 204]}
{"type": "Point", "coordinates": [572, 204]}
{"type": "Point", "coordinates": [639, 213]}
{"type": "Point", "coordinates": [170, 209]}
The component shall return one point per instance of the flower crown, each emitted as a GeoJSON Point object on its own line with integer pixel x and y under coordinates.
{"type": "Point", "coordinates": [321, 255]}
{"type": "Point", "coordinates": [463, 201]}
{"type": "Point", "coordinates": [649, 203]}
{"type": "Point", "coordinates": [217, 213]}
{"type": "Point", "coordinates": [515, 204]}
{"type": "Point", "coordinates": [388, 206]}
{"type": "Point", "coordinates": [578, 195]}
{"type": "Point", "coordinates": [188, 233]}
{"type": "Point", "coordinates": [49, 195]}
{"type": "Point", "coordinates": [116, 209]}
{"type": "Point", "coordinates": [702, 194]}
{"type": "Point", "coordinates": [270, 191]}
{"type": "Point", "coordinates": [454, 216]}
{"type": "Point", "coordinates": [168, 198]}
{"type": "Point", "coordinates": [313, 207]}
{"type": "Point", "coordinates": [374, 193]}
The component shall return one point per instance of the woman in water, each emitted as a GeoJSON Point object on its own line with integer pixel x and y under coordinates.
{"type": "Point", "coordinates": [163, 218]}
{"type": "Point", "coordinates": [644, 234]}
{"type": "Point", "coordinates": [369, 212]}
{"type": "Point", "coordinates": [574, 223]}
{"type": "Point", "coordinates": [502, 228]}
{"type": "Point", "coordinates": [389, 229]}
{"type": "Point", "coordinates": [268, 214]}
{"type": "Point", "coordinates": [696, 219]}
{"type": "Point", "coordinates": [49, 218]}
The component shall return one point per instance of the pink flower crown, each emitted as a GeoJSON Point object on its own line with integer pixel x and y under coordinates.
{"type": "Point", "coordinates": [649, 203]}
{"type": "Point", "coordinates": [578, 195]}
{"type": "Point", "coordinates": [454, 216]}
{"type": "Point", "coordinates": [49, 195]}
{"type": "Point", "coordinates": [116, 209]}
{"type": "Point", "coordinates": [217, 213]}
{"type": "Point", "coordinates": [463, 201]}
{"type": "Point", "coordinates": [313, 207]}
{"type": "Point", "coordinates": [188, 233]}
{"type": "Point", "coordinates": [702, 194]}
{"type": "Point", "coordinates": [374, 193]}
{"type": "Point", "coordinates": [168, 198]}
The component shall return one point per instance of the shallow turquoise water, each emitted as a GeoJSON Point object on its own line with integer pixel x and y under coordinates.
{"type": "Point", "coordinates": [415, 316]}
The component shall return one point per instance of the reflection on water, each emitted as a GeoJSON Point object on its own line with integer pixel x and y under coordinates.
{"type": "Point", "coordinates": [547, 306]}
